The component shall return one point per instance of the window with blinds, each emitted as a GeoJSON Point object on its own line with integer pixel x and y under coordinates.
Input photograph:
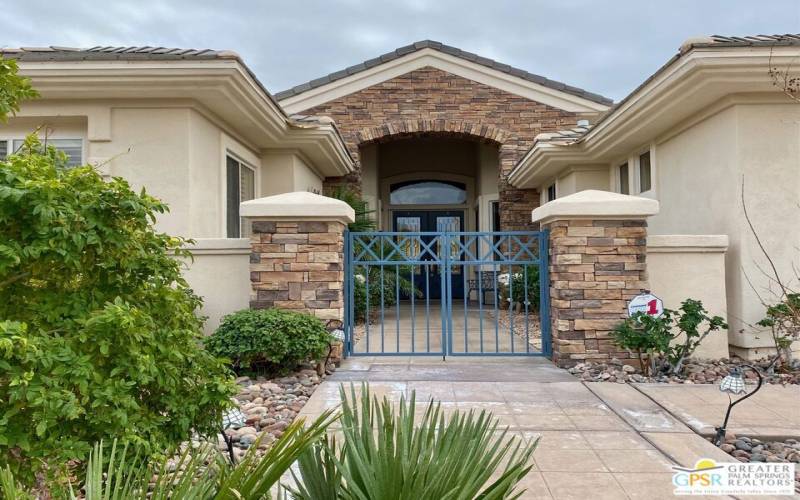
{"type": "Point", "coordinates": [624, 186]}
{"type": "Point", "coordinates": [3, 150]}
{"type": "Point", "coordinates": [73, 148]}
{"type": "Point", "coordinates": [645, 173]}
{"type": "Point", "coordinates": [241, 186]}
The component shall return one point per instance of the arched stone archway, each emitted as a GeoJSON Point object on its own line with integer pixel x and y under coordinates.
{"type": "Point", "coordinates": [410, 128]}
{"type": "Point", "coordinates": [431, 101]}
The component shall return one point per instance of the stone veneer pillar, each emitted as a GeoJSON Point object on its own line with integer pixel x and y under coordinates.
{"type": "Point", "coordinates": [297, 253]}
{"type": "Point", "coordinates": [597, 264]}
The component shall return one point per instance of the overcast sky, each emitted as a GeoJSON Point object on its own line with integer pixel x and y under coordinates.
{"type": "Point", "coordinates": [608, 47]}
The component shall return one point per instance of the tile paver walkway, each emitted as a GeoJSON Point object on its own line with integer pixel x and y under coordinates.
{"type": "Point", "coordinates": [772, 412]}
{"type": "Point", "coordinates": [585, 449]}
{"type": "Point", "coordinates": [404, 328]}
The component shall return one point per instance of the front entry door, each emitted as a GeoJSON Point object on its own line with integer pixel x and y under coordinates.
{"type": "Point", "coordinates": [434, 221]}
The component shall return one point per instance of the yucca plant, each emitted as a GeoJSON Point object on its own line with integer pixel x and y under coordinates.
{"type": "Point", "coordinates": [196, 473]}
{"type": "Point", "coordinates": [385, 455]}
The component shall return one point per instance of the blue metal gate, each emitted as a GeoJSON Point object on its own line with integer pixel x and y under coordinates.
{"type": "Point", "coordinates": [447, 293]}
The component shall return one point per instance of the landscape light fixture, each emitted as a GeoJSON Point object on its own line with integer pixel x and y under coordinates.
{"type": "Point", "coordinates": [232, 419]}
{"type": "Point", "coordinates": [733, 383]}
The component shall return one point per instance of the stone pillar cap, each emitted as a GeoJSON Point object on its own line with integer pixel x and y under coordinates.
{"type": "Point", "coordinates": [594, 204]}
{"type": "Point", "coordinates": [298, 206]}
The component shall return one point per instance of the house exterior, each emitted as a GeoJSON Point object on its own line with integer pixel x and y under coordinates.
{"type": "Point", "coordinates": [438, 139]}
{"type": "Point", "coordinates": [706, 134]}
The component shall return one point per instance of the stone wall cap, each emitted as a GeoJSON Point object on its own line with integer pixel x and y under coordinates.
{"type": "Point", "coordinates": [592, 204]}
{"type": "Point", "coordinates": [697, 243]}
{"type": "Point", "coordinates": [299, 205]}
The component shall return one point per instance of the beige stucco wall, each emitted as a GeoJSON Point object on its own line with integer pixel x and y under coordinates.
{"type": "Point", "coordinates": [581, 178]}
{"type": "Point", "coordinates": [691, 266]}
{"type": "Point", "coordinates": [220, 274]}
{"type": "Point", "coordinates": [286, 172]}
{"type": "Point", "coordinates": [178, 154]}
{"type": "Point", "coordinates": [700, 170]}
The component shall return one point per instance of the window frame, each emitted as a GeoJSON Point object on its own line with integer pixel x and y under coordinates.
{"type": "Point", "coordinates": [639, 171]}
{"type": "Point", "coordinates": [241, 230]}
{"type": "Point", "coordinates": [554, 187]}
{"type": "Point", "coordinates": [9, 141]}
{"type": "Point", "coordinates": [618, 176]}
{"type": "Point", "coordinates": [397, 186]}
{"type": "Point", "coordinates": [633, 161]}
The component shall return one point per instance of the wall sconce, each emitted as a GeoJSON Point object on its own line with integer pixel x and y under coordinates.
{"type": "Point", "coordinates": [733, 383]}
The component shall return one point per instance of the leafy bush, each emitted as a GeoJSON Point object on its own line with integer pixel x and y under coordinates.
{"type": "Point", "coordinates": [384, 454]}
{"type": "Point", "coordinates": [13, 88]}
{"type": "Point", "coordinates": [98, 333]}
{"type": "Point", "coordinates": [390, 286]}
{"type": "Point", "coordinates": [196, 473]}
{"type": "Point", "coordinates": [515, 291]}
{"type": "Point", "coordinates": [269, 339]}
{"type": "Point", "coordinates": [652, 339]}
{"type": "Point", "coordinates": [391, 277]}
{"type": "Point", "coordinates": [783, 320]}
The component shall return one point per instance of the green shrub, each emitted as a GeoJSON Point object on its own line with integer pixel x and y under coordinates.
{"type": "Point", "coordinates": [653, 339]}
{"type": "Point", "coordinates": [525, 277]}
{"type": "Point", "coordinates": [783, 320]}
{"type": "Point", "coordinates": [114, 473]}
{"type": "Point", "coordinates": [383, 453]}
{"type": "Point", "coordinates": [98, 333]}
{"type": "Point", "coordinates": [269, 339]}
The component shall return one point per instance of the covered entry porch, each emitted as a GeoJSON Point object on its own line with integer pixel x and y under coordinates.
{"type": "Point", "coordinates": [476, 330]}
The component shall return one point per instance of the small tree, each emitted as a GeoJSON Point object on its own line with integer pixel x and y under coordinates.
{"type": "Point", "coordinates": [98, 333]}
{"type": "Point", "coordinates": [654, 339]}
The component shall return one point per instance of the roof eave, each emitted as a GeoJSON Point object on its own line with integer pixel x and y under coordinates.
{"type": "Point", "coordinates": [684, 86]}
{"type": "Point", "coordinates": [224, 86]}
{"type": "Point", "coordinates": [346, 82]}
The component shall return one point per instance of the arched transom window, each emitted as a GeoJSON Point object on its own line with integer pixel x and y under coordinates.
{"type": "Point", "coordinates": [428, 192]}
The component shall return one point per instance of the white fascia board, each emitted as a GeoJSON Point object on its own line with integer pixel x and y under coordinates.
{"type": "Point", "coordinates": [222, 86]}
{"type": "Point", "coordinates": [445, 62]}
{"type": "Point", "coordinates": [707, 73]}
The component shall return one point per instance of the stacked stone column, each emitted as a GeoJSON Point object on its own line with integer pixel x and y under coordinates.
{"type": "Point", "coordinates": [597, 264]}
{"type": "Point", "coordinates": [297, 253]}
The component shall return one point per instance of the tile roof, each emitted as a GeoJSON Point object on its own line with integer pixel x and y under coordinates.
{"type": "Point", "coordinates": [742, 41]}
{"type": "Point", "coordinates": [564, 136]}
{"type": "Point", "coordinates": [54, 53]}
{"type": "Point", "coordinates": [447, 49]}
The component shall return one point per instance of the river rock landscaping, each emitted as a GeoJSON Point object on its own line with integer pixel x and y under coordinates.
{"type": "Point", "coordinates": [696, 371]}
{"type": "Point", "coordinates": [746, 449]}
{"type": "Point", "coordinates": [270, 405]}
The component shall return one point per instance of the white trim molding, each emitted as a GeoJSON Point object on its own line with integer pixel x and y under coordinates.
{"type": "Point", "coordinates": [678, 243]}
{"type": "Point", "coordinates": [684, 88]}
{"type": "Point", "coordinates": [224, 87]}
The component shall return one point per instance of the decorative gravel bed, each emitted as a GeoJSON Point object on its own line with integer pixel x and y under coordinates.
{"type": "Point", "coordinates": [270, 405]}
{"type": "Point", "coordinates": [696, 372]}
{"type": "Point", "coordinates": [746, 449]}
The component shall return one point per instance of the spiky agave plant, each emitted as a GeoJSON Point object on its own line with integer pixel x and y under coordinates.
{"type": "Point", "coordinates": [384, 455]}
{"type": "Point", "coordinates": [196, 473]}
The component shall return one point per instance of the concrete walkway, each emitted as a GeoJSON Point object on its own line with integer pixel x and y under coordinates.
{"type": "Point", "coordinates": [772, 413]}
{"type": "Point", "coordinates": [586, 448]}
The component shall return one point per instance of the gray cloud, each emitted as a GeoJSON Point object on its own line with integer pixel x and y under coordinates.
{"type": "Point", "coordinates": [607, 47]}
